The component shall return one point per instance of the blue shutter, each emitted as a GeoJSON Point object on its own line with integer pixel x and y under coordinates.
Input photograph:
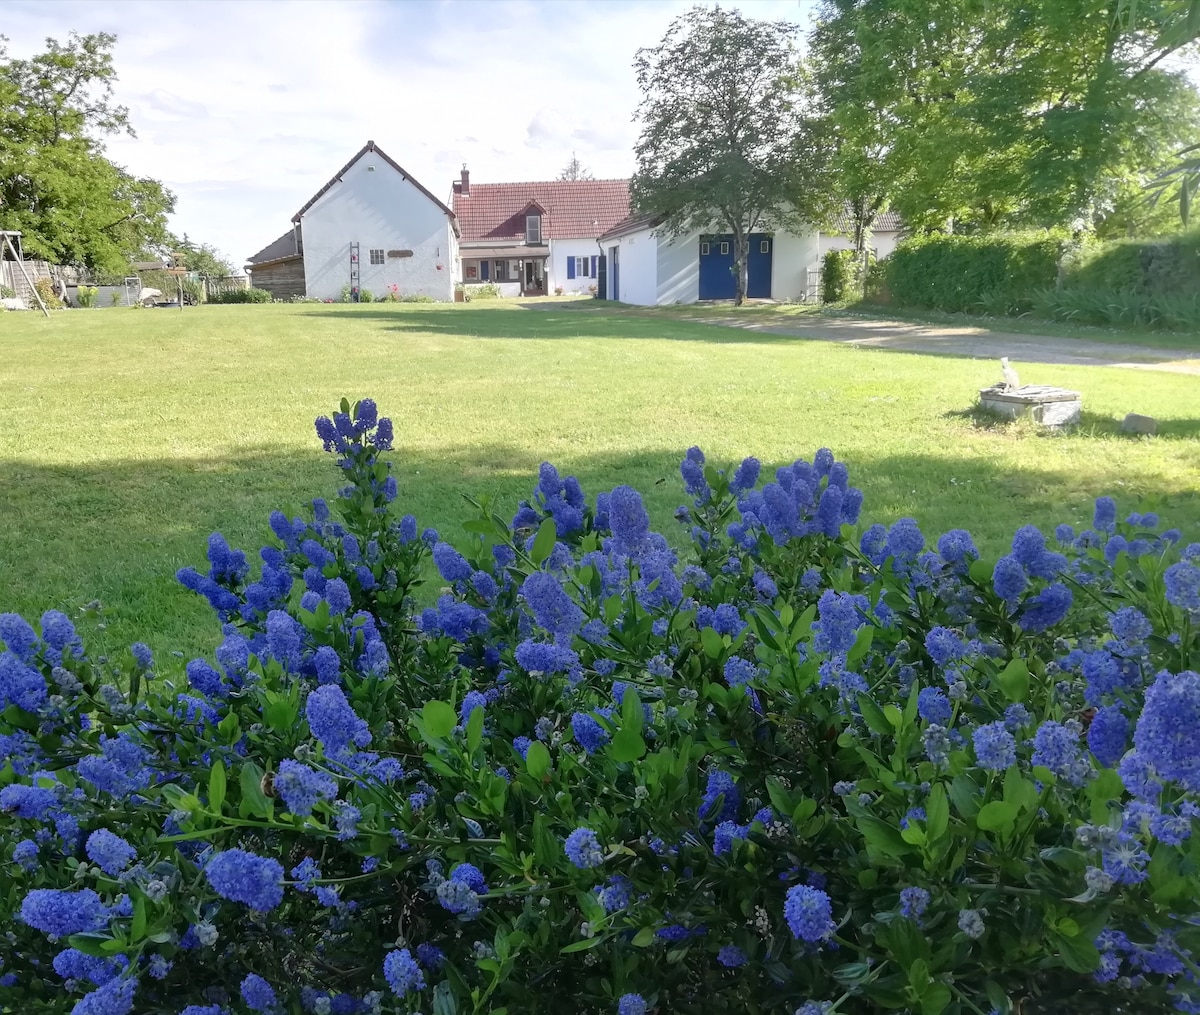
{"type": "Point", "coordinates": [593, 266]}
{"type": "Point", "coordinates": [484, 267]}
{"type": "Point", "coordinates": [570, 267]}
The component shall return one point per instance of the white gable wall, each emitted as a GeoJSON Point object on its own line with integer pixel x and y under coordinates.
{"type": "Point", "coordinates": [560, 250]}
{"type": "Point", "coordinates": [679, 269]}
{"type": "Point", "coordinates": [638, 278]}
{"type": "Point", "coordinates": [384, 211]}
{"type": "Point", "coordinates": [883, 242]}
{"type": "Point", "coordinates": [791, 258]}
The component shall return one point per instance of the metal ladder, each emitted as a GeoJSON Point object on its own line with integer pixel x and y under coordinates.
{"type": "Point", "coordinates": [355, 278]}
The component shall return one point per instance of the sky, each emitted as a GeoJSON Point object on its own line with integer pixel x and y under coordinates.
{"type": "Point", "coordinates": [245, 109]}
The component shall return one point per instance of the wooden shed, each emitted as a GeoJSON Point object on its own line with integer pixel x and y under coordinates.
{"type": "Point", "coordinates": [279, 266]}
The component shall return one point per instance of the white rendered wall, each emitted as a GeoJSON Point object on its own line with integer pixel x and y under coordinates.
{"type": "Point", "coordinates": [679, 269]}
{"type": "Point", "coordinates": [791, 258]}
{"type": "Point", "coordinates": [884, 243]}
{"type": "Point", "coordinates": [560, 250]}
{"type": "Point", "coordinates": [379, 210]}
{"type": "Point", "coordinates": [638, 281]}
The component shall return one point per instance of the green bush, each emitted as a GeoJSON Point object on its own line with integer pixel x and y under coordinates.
{"type": "Point", "coordinates": [242, 296]}
{"type": "Point", "coordinates": [1126, 307]}
{"type": "Point", "coordinates": [839, 274]}
{"type": "Point", "coordinates": [86, 294]}
{"type": "Point", "coordinates": [1166, 267]}
{"type": "Point", "coordinates": [482, 291]}
{"type": "Point", "coordinates": [193, 292]}
{"type": "Point", "coordinates": [973, 274]}
{"type": "Point", "coordinates": [45, 289]}
{"type": "Point", "coordinates": [364, 295]}
{"type": "Point", "coordinates": [7, 293]}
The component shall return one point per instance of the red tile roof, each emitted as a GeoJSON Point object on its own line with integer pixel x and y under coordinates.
{"type": "Point", "coordinates": [572, 209]}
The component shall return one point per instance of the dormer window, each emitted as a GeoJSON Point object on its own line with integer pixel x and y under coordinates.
{"type": "Point", "coordinates": [533, 228]}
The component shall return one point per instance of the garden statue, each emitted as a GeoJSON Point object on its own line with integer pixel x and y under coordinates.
{"type": "Point", "coordinates": [1011, 381]}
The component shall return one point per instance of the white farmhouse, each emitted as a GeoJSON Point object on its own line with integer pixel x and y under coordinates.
{"type": "Point", "coordinates": [372, 227]}
{"type": "Point", "coordinates": [532, 239]}
{"type": "Point", "coordinates": [645, 266]}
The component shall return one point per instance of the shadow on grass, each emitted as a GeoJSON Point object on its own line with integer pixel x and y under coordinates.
{"type": "Point", "coordinates": [118, 531]}
{"type": "Point", "coordinates": [1091, 424]}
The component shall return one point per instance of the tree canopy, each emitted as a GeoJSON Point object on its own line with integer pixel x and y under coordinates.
{"type": "Point", "coordinates": [575, 170]}
{"type": "Point", "coordinates": [726, 142]}
{"type": "Point", "coordinates": [72, 203]}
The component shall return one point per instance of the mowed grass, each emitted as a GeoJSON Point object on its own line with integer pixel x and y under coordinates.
{"type": "Point", "coordinates": [126, 437]}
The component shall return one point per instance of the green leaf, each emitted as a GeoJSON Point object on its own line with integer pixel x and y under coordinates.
{"type": "Point", "coordinates": [475, 729]}
{"type": "Point", "coordinates": [216, 786]}
{"type": "Point", "coordinates": [537, 760]}
{"type": "Point", "coordinates": [894, 716]}
{"type": "Point", "coordinates": [643, 937]}
{"type": "Point", "coordinates": [713, 645]}
{"type": "Point", "coordinates": [582, 946]}
{"type": "Point", "coordinates": [779, 797]}
{"type": "Point", "coordinates": [443, 1000]}
{"type": "Point", "coordinates": [935, 999]}
{"type": "Point", "coordinates": [627, 745]}
{"type": "Point", "coordinates": [632, 716]}
{"type": "Point", "coordinates": [138, 927]}
{"type": "Point", "coordinates": [882, 836]}
{"type": "Point", "coordinates": [1079, 953]}
{"type": "Point", "coordinates": [999, 815]}
{"type": "Point", "coordinates": [873, 715]}
{"type": "Point", "coordinates": [1014, 680]}
{"type": "Point", "coordinates": [543, 542]}
{"type": "Point", "coordinates": [981, 571]}
{"type": "Point", "coordinates": [965, 796]}
{"type": "Point", "coordinates": [254, 801]}
{"type": "Point", "coordinates": [861, 645]}
{"type": "Point", "coordinates": [937, 812]}
{"type": "Point", "coordinates": [439, 718]}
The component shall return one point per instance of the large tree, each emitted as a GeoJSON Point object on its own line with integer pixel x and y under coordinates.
{"type": "Point", "coordinates": [575, 170]}
{"type": "Point", "coordinates": [726, 141]}
{"type": "Point", "coordinates": [996, 112]}
{"type": "Point", "coordinates": [72, 203]}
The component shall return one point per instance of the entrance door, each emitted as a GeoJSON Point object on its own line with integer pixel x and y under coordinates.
{"type": "Point", "coordinates": [615, 262]}
{"type": "Point", "coordinates": [717, 281]}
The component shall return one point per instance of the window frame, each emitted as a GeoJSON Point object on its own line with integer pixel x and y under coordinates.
{"type": "Point", "coordinates": [382, 255]}
{"type": "Point", "coordinates": [705, 248]}
{"type": "Point", "coordinates": [724, 248]}
{"type": "Point", "coordinates": [534, 235]}
{"type": "Point", "coordinates": [764, 246]}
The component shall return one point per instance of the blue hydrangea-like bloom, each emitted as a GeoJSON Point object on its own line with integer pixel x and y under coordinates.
{"type": "Point", "coordinates": [913, 903]}
{"type": "Point", "coordinates": [583, 849]}
{"type": "Point", "coordinates": [283, 639]}
{"type": "Point", "coordinates": [1116, 545]}
{"type": "Point", "coordinates": [970, 922]}
{"type": "Point", "coordinates": [1130, 625]}
{"type": "Point", "coordinates": [328, 665]}
{"type": "Point", "coordinates": [1047, 608]}
{"type": "Point", "coordinates": [1105, 518]}
{"type": "Point", "coordinates": [1009, 580]}
{"type": "Point", "coordinates": [402, 972]}
{"type": "Point", "coordinates": [957, 547]}
{"type": "Point", "coordinates": [763, 584]}
{"type": "Point", "coordinates": [333, 721]}
{"type": "Point", "coordinates": [458, 897]}
{"type": "Point", "coordinates": [739, 671]}
{"type": "Point", "coordinates": [724, 835]}
{"type": "Point", "coordinates": [451, 564]}
{"type": "Point", "coordinates": [720, 786]}
{"type": "Point", "coordinates": [239, 876]}
{"type": "Point", "coordinates": [1065, 534]}
{"type": "Point", "coordinates": [552, 608]}
{"type": "Point", "coordinates": [829, 512]}
{"type": "Point", "coordinates": [617, 894]}
{"type": "Point", "coordinates": [1183, 585]}
{"type": "Point", "coordinates": [745, 477]}
{"type": "Point", "coordinates": [731, 957]}
{"type": "Point", "coordinates": [109, 852]}
{"type": "Point", "coordinates": [904, 540]}
{"type": "Point", "coordinates": [540, 657]}
{"type": "Point", "coordinates": [628, 520]}
{"type": "Point", "coordinates": [30, 802]}
{"type": "Point", "coordinates": [72, 964]}
{"type": "Point", "coordinates": [25, 854]}
{"type": "Point", "coordinates": [1108, 735]}
{"type": "Point", "coordinates": [18, 636]}
{"type": "Point", "coordinates": [589, 734]}
{"type": "Point", "coordinates": [809, 913]}
{"type": "Point", "coordinates": [852, 501]}
{"type": "Point", "coordinates": [631, 1004]}
{"type": "Point", "coordinates": [1126, 861]}
{"type": "Point", "coordinates": [62, 913]}
{"type": "Point", "coordinates": [119, 769]}
{"type": "Point", "coordinates": [1139, 776]}
{"type": "Point", "coordinates": [1055, 747]}
{"type": "Point", "coordinates": [337, 595]}
{"type": "Point", "coordinates": [142, 656]}
{"type": "Point", "coordinates": [840, 618]}
{"type": "Point", "coordinates": [300, 787]}
{"type": "Point", "coordinates": [471, 876]}
{"type": "Point", "coordinates": [114, 998]}
{"type": "Point", "coordinates": [258, 994]}
{"type": "Point", "coordinates": [995, 748]}
{"type": "Point", "coordinates": [692, 471]}
{"type": "Point", "coordinates": [521, 745]}
{"type": "Point", "coordinates": [1028, 546]}
{"type": "Point", "coordinates": [430, 956]}
{"type": "Point", "coordinates": [1165, 735]}
{"type": "Point", "coordinates": [21, 685]}
{"type": "Point", "coordinates": [874, 544]}
{"type": "Point", "coordinates": [944, 646]}
{"type": "Point", "coordinates": [59, 635]}
{"type": "Point", "coordinates": [205, 679]}
{"type": "Point", "coordinates": [471, 701]}
{"type": "Point", "coordinates": [933, 706]}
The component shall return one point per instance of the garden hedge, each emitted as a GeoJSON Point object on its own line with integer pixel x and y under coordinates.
{"type": "Point", "coordinates": [803, 767]}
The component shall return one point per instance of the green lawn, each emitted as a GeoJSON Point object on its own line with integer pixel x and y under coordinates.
{"type": "Point", "coordinates": [127, 436]}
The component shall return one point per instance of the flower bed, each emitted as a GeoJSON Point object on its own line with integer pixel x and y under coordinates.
{"type": "Point", "coordinates": [796, 771]}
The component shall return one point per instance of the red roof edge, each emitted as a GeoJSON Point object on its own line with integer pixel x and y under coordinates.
{"type": "Point", "coordinates": [370, 146]}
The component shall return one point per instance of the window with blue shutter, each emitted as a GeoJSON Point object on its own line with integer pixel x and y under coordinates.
{"type": "Point", "coordinates": [484, 267]}
{"type": "Point", "coordinates": [570, 267]}
{"type": "Point", "coordinates": [593, 266]}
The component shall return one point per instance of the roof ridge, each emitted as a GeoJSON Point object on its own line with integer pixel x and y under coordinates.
{"type": "Point", "coordinates": [542, 183]}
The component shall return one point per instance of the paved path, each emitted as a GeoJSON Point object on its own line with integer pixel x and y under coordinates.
{"type": "Point", "coordinates": [978, 343]}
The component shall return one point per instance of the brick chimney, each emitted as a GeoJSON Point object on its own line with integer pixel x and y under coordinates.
{"type": "Point", "coordinates": [464, 187]}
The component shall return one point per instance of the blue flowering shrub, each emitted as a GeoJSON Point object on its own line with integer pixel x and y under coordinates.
{"type": "Point", "coordinates": [804, 767]}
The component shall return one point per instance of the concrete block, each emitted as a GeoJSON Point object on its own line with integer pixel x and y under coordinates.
{"type": "Point", "coordinates": [1044, 404]}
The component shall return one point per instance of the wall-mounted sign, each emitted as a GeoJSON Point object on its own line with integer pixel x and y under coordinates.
{"type": "Point", "coordinates": [400, 253]}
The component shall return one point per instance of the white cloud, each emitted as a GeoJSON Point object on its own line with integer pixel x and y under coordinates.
{"type": "Point", "coordinates": [245, 109]}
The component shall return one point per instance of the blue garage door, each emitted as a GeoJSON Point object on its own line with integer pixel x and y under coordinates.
{"type": "Point", "coordinates": [716, 267]}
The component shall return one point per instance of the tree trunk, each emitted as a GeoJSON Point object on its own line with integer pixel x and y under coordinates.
{"type": "Point", "coordinates": [741, 264]}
